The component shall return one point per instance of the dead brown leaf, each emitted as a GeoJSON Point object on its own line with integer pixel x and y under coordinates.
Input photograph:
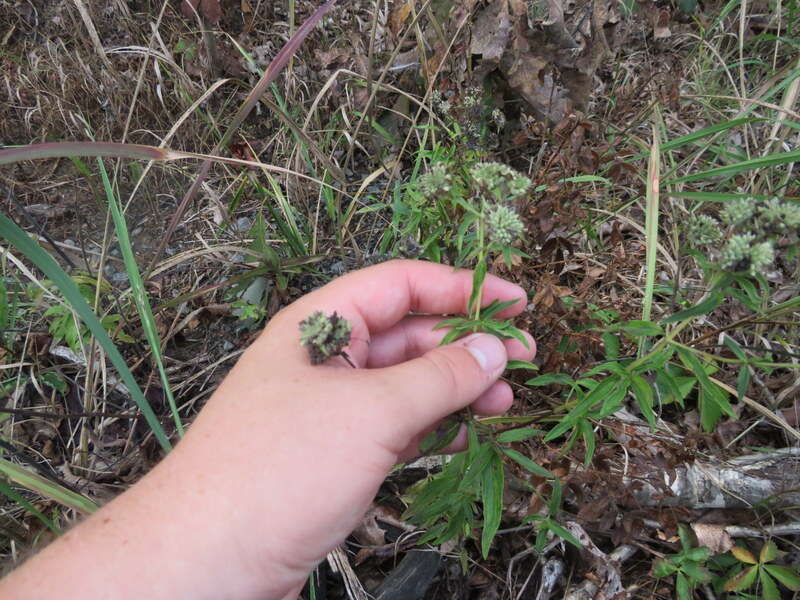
{"type": "Point", "coordinates": [714, 537]}
{"type": "Point", "coordinates": [399, 15]}
{"type": "Point", "coordinates": [661, 25]}
{"type": "Point", "coordinates": [369, 533]}
{"type": "Point", "coordinates": [491, 31]}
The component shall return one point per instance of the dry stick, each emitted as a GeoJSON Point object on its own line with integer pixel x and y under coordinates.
{"type": "Point", "coordinates": [272, 71]}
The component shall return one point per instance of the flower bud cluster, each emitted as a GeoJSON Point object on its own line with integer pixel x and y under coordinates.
{"type": "Point", "coordinates": [753, 225]}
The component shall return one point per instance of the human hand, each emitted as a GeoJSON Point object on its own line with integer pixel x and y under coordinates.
{"type": "Point", "coordinates": [286, 457]}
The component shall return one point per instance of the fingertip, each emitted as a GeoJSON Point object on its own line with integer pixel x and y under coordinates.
{"type": "Point", "coordinates": [494, 401]}
{"type": "Point", "coordinates": [519, 351]}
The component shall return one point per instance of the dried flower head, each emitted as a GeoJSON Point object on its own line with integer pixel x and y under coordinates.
{"type": "Point", "coordinates": [472, 97]}
{"type": "Point", "coordinates": [702, 230]}
{"type": "Point", "coordinates": [503, 225]}
{"type": "Point", "coordinates": [324, 336]}
{"type": "Point", "coordinates": [499, 118]}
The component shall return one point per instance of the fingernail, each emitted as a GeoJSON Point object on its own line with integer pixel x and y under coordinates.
{"type": "Point", "coordinates": [489, 352]}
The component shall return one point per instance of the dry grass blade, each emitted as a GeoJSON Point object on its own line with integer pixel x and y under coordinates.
{"type": "Point", "coordinates": [136, 152]}
{"type": "Point", "coordinates": [651, 223]}
{"type": "Point", "coordinates": [100, 149]}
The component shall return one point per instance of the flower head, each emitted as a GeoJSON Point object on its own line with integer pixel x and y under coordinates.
{"type": "Point", "coordinates": [503, 225]}
{"type": "Point", "coordinates": [743, 254]}
{"type": "Point", "coordinates": [324, 336]}
{"type": "Point", "coordinates": [436, 180]}
{"type": "Point", "coordinates": [702, 230]}
{"type": "Point", "coordinates": [738, 211]}
{"type": "Point", "coordinates": [501, 180]}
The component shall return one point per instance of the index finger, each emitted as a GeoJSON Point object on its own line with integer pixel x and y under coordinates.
{"type": "Point", "coordinates": [385, 293]}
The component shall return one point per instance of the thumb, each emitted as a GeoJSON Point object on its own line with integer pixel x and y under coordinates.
{"type": "Point", "coordinates": [445, 379]}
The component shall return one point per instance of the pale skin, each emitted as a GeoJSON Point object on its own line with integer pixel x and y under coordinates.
{"type": "Point", "coordinates": [286, 457]}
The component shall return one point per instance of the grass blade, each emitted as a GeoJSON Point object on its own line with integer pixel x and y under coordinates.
{"type": "Point", "coordinates": [19, 239]}
{"type": "Point", "coordinates": [45, 487]}
{"type": "Point", "coordinates": [745, 165]}
{"type": "Point", "coordinates": [12, 495]}
{"type": "Point", "coordinates": [271, 72]}
{"type": "Point", "coordinates": [139, 292]}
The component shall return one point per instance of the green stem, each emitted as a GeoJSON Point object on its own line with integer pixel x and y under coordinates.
{"type": "Point", "coordinates": [476, 308]}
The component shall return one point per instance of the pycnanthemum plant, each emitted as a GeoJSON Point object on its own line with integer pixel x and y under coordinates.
{"type": "Point", "coordinates": [753, 228]}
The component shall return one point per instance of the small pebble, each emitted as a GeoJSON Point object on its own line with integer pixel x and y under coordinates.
{"type": "Point", "coordinates": [242, 224]}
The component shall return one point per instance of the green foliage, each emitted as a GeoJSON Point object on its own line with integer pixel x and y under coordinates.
{"type": "Point", "coordinates": [65, 326]}
{"type": "Point", "coordinates": [18, 238]}
{"type": "Point", "coordinates": [467, 494]}
{"type": "Point", "coordinates": [547, 523]}
{"type": "Point", "coordinates": [461, 208]}
{"type": "Point", "coordinates": [743, 571]}
{"type": "Point", "coordinates": [688, 566]}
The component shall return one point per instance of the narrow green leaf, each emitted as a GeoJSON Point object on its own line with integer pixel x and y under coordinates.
{"type": "Point", "coordinates": [744, 555]}
{"type": "Point", "coordinates": [139, 293]}
{"type": "Point", "coordinates": [478, 277]}
{"type": "Point", "coordinates": [746, 165]}
{"type": "Point", "coordinates": [12, 495]}
{"type": "Point", "coordinates": [439, 439]}
{"type": "Point", "coordinates": [527, 463]}
{"type": "Point", "coordinates": [701, 308]}
{"type": "Point", "coordinates": [554, 503]}
{"type": "Point", "coordinates": [550, 379]}
{"type": "Point", "coordinates": [638, 328]}
{"type": "Point", "coordinates": [490, 310]}
{"type": "Point", "coordinates": [20, 240]}
{"type": "Point", "coordinates": [517, 435]}
{"type": "Point", "coordinates": [492, 494]}
{"type": "Point", "coordinates": [521, 364]}
{"type": "Point", "coordinates": [714, 392]}
{"type": "Point", "coordinates": [563, 533]}
{"type": "Point", "coordinates": [587, 433]}
{"type": "Point", "coordinates": [607, 391]}
{"type": "Point", "coordinates": [46, 487]}
{"type": "Point", "coordinates": [786, 575]}
{"type": "Point", "coordinates": [644, 398]}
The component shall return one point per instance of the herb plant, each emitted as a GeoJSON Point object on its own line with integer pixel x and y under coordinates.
{"type": "Point", "coordinates": [688, 566]}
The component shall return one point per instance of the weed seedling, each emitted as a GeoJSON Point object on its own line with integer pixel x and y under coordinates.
{"type": "Point", "coordinates": [688, 565]}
